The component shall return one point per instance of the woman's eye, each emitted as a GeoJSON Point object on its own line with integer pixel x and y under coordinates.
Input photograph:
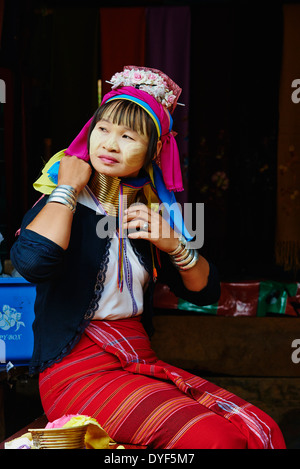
{"type": "Point", "coordinates": [101, 128]}
{"type": "Point", "coordinates": [127, 137]}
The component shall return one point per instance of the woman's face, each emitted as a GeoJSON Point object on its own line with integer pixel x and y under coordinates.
{"type": "Point", "coordinates": [116, 150]}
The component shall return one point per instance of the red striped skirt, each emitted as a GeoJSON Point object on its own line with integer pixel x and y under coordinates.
{"type": "Point", "coordinates": [113, 375]}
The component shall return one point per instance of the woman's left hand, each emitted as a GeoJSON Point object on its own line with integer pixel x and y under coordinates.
{"type": "Point", "coordinates": [150, 225]}
{"type": "Point", "coordinates": [144, 223]}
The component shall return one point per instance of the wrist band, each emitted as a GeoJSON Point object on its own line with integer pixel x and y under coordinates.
{"type": "Point", "coordinates": [65, 195]}
{"type": "Point", "coordinates": [186, 260]}
{"type": "Point", "coordinates": [192, 263]}
{"type": "Point", "coordinates": [183, 258]}
{"type": "Point", "coordinates": [181, 246]}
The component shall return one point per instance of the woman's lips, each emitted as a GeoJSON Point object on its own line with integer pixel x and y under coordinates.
{"type": "Point", "coordinates": [108, 159]}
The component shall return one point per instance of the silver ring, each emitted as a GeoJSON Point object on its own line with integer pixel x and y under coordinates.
{"type": "Point", "coordinates": [145, 226]}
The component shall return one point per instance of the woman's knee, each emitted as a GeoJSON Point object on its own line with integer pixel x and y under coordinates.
{"type": "Point", "coordinates": [212, 433]}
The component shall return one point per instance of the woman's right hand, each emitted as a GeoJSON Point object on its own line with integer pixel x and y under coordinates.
{"type": "Point", "coordinates": [74, 172]}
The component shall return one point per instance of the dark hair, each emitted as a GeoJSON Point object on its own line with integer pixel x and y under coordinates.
{"type": "Point", "coordinates": [130, 114]}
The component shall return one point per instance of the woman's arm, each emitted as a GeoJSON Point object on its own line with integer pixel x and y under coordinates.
{"type": "Point", "coordinates": [45, 232]}
{"type": "Point", "coordinates": [170, 276]}
{"type": "Point", "coordinates": [196, 278]}
{"type": "Point", "coordinates": [54, 221]}
{"type": "Point", "coordinates": [35, 257]}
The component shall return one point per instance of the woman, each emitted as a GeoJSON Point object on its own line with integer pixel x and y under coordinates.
{"type": "Point", "coordinates": [94, 245]}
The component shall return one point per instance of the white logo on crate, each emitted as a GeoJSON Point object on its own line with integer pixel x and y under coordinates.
{"type": "Point", "coordinates": [10, 317]}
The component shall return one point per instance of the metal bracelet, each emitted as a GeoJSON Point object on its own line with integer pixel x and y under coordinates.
{"type": "Point", "coordinates": [68, 188]}
{"type": "Point", "coordinates": [67, 198]}
{"type": "Point", "coordinates": [192, 263]}
{"type": "Point", "coordinates": [186, 260]}
{"type": "Point", "coordinates": [65, 195]}
{"type": "Point", "coordinates": [181, 256]}
{"type": "Point", "coordinates": [181, 246]}
{"type": "Point", "coordinates": [63, 201]}
{"type": "Point", "coordinates": [67, 191]}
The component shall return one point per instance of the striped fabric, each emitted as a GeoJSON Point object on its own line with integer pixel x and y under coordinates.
{"type": "Point", "coordinates": [113, 375]}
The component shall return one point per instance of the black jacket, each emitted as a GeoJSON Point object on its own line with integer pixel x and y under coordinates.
{"type": "Point", "coordinates": [69, 283]}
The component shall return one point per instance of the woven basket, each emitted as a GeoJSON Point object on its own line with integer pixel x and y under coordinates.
{"type": "Point", "coordinates": [59, 438]}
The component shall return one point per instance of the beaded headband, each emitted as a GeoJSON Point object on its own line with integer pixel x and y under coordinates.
{"type": "Point", "coordinates": [143, 105]}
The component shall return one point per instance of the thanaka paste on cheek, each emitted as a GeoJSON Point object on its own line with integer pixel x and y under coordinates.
{"type": "Point", "coordinates": [134, 154]}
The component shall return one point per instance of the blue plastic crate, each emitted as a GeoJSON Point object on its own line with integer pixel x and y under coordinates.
{"type": "Point", "coordinates": [17, 297]}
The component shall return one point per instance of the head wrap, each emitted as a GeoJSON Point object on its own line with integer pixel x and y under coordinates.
{"type": "Point", "coordinates": [169, 155]}
{"type": "Point", "coordinates": [156, 99]}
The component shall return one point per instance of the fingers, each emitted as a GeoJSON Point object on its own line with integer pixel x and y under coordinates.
{"type": "Point", "coordinates": [137, 229]}
{"type": "Point", "coordinates": [142, 222]}
{"type": "Point", "coordinates": [137, 210]}
{"type": "Point", "coordinates": [137, 219]}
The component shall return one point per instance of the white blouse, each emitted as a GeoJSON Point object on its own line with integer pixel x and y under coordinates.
{"type": "Point", "coordinates": [114, 304]}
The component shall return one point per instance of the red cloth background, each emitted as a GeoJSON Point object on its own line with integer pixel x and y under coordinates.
{"type": "Point", "coordinates": [122, 40]}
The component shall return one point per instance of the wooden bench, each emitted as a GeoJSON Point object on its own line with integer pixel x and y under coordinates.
{"type": "Point", "coordinates": [249, 356]}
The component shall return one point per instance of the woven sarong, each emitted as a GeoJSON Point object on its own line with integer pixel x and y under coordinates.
{"type": "Point", "coordinates": [113, 375]}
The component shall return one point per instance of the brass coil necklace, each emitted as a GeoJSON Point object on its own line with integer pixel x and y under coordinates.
{"type": "Point", "coordinates": [107, 190]}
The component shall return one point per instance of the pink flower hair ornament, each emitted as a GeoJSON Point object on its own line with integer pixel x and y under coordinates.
{"type": "Point", "coordinates": [151, 80]}
{"type": "Point", "coordinates": [169, 160]}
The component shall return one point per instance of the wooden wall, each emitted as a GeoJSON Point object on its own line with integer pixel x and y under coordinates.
{"type": "Point", "coordinates": [251, 357]}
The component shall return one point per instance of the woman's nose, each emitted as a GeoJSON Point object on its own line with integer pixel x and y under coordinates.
{"type": "Point", "coordinates": [111, 143]}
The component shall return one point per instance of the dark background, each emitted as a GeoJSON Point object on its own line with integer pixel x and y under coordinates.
{"type": "Point", "coordinates": [50, 60]}
{"type": "Point", "coordinates": [235, 64]}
